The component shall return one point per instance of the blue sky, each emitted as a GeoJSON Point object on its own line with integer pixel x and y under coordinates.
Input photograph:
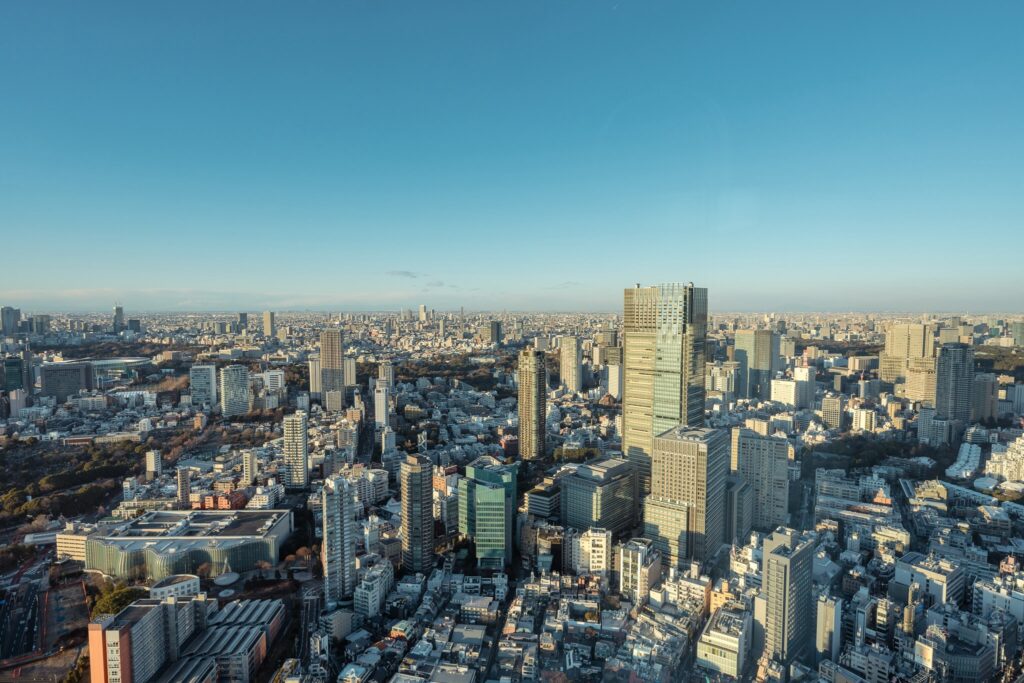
{"type": "Point", "coordinates": [520, 155]}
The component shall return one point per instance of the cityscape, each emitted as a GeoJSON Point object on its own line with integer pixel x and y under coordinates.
{"type": "Point", "coordinates": [533, 343]}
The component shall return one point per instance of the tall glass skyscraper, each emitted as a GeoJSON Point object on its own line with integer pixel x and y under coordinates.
{"type": "Point", "coordinates": [664, 331]}
{"type": "Point", "coordinates": [487, 509]}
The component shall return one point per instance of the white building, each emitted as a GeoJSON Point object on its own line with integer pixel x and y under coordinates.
{"type": "Point", "coordinates": [339, 546]}
{"type": "Point", "coordinates": [234, 390]}
{"type": "Point", "coordinates": [296, 449]}
{"type": "Point", "coordinates": [381, 405]}
{"type": "Point", "coordinates": [725, 642]}
{"type": "Point", "coordinates": [202, 380]}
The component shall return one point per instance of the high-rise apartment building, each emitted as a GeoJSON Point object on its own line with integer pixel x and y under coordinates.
{"type": "Point", "coordinates": [296, 449]}
{"type": "Point", "coordinates": [316, 385]}
{"type": "Point", "coordinates": [381, 405]}
{"type": "Point", "coordinates": [184, 487]}
{"type": "Point", "coordinates": [786, 572]}
{"type": "Point", "coordinates": [487, 509]}
{"type": "Point", "coordinates": [417, 514]}
{"type": "Point", "coordinates": [386, 374]}
{"type": "Point", "coordinates": [202, 385]}
{"type": "Point", "coordinates": [533, 380]}
{"type": "Point", "coordinates": [350, 372]}
{"type": "Point", "coordinates": [763, 462]}
{"type": "Point", "coordinates": [919, 380]}
{"type": "Point", "coordinates": [234, 390]}
{"type": "Point", "coordinates": [954, 379]}
{"type": "Point", "coordinates": [570, 358]}
{"type": "Point", "coordinates": [154, 465]}
{"type": "Point", "coordinates": [332, 362]}
{"type": "Point", "coordinates": [339, 545]}
{"type": "Point", "coordinates": [757, 352]}
{"type": "Point", "coordinates": [250, 467]}
{"type": "Point", "coordinates": [664, 331]}
{"type": "Point", "coordinates": [269, 326]}
{"type": "Point", "coordinates": [685, 513]}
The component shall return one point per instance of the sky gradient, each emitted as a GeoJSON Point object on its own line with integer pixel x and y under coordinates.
{"type": "Point", "coordinates": [524, 156]}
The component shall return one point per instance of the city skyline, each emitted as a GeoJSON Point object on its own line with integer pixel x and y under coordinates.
{"type": "Point", "coordinates": [644, 140]}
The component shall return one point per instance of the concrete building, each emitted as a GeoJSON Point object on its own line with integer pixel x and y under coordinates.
{"type": "Point", "coordinates": [828, 638]}
{"type": "Point", "coordinates": [64, 380]}
{"type": "Point", "coordinates": [763, 462]}
{"type": "Point", "coordinates": [600, 494]}
{"type": "Point", "coordinates": [533, 379]}
{"type": "Point", "coordinates": [202, 384]}
{"type": "Point", "coordinates": [685, 513]}
{"type": "Point", "coordinates": [269, 324]}
{"type": "Point", "coordinates": [954, 378]}
{"type": "Point", "coordinates": [234, 390]}
{"type": "Point", "coordinates": [154, 465]}
{"type": "Point", "coordinates": [725, 643]}
{"type": "Point", "coordinates": [833, 412]}
{"type": "Point", "coordinates": [639, 569]}
{"type": "Point", "coordinates": [332, 361]}
{"type": "Point", "coordinates": [296, 449]}
{"type": "Point", "coordinates": [664, 331]}
{"type": "Point", "coordinates": [904, 342]}
{"type": "Point", "coordinates": [569, 367]}
{"type": "Point", "coordinates": [417, 514]}
{"type": "Point", "coordinates": [339, 544]}
{"type": "Point", "coordinates": [381, 405]}
{"type": "Point", "coordinates": [786, 576]}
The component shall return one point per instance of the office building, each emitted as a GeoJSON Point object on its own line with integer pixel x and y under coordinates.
{"type": "Point", "coordinates": [685, 513]}
{"type": "Point", "coordinates": [350, 372]}
{"type": "Point", "coordinates": [417, 514]}
{"type": "Point", "coordinates": [786, 584]}
{"type": "Point", "coordinates": [639, 569]}
{"type": "Point", "coordinates": [491, 333]}
{"type": "Point", "coordinates": [570, 358]}
{"type": "Point", "coordinates": [13, 374]}
{"type": "Point", "coordinates": [533, 379]}
{"type": "Point", "coordinates": [757, 352]}
{"type": "Point", "coordinates": [1016, 331]}
{"type": "Point", "coordinates": [828, 637]}
{"type": "Point", "coordinates": [487, 509]}
{"type": "Point", "coordinates": [806, 387]}
{"type": "Point", "coordinates": [243, 322]}
{"type": "Point", "coordinates": [202, 385]}
{"type": "Point", "coordinates": [919, 385]}
{"type": "Point", "coordinates": [386, 374]}
{"type": "Point", "coordinates": [118, 324]}
{"type": "Point", "coordinates": [600, 494]}
{"type": "Point", "coordinates": [904, 342]}
{"type": "Point", "coordinates": [234, 390]}
{"type": "Point", "coordinates": [954, 380]}
{"type": "Point", "coordinates": [296, 449]}
{"type": "Point", "coordinates": [739, 510]}
{"type": "Point", "coordinates": [423, 313]}
{"type": "Point", "coordinates": [664, 333]}
{"type": "Point", "coordinates": [269, 324]}
{"type": "Point", "coordinates": [833, 412]}
{"type": "Point", "coordinates": [10, 320]}
{"type": "Point", "coordinates": [64, 380]}
{"type": "Point", "coordinates": [725, 643]}
{"type": "Point", "coordinates": [763, 462]}
{"type": "Point", "coordinates": [721, 380]}
{"type": "Point", "coordinates": [332, 362]}
{"type": "Point", "coordinates": [339, 544]}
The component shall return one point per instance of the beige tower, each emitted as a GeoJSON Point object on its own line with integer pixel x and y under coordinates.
{"type": "Point", "coordinates": [332, 363]}
{"type": "Point", "coordinates": [763, 462]}
{"type": "Point", "coordinates": [416, 478]}
{"type": "Point", "coordinates": [532, 403]}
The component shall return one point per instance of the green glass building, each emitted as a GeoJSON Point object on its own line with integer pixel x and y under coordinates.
{"type": "Point", "coordinates": [487, 509]}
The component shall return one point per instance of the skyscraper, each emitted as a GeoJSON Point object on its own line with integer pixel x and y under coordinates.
{"type": "Point", "coordinates": [332, 362]}
{"type": "Point", "coordinates": [664, 332]}
{"type": "Point", "coordinates": [296, 449]}
{"type": "Point", "coordinates": [10, 319]}
{"type": "Point", "coordinates": [487, 509]}
{"type": "Point", "coordinates": [315, 378]}
{"type": "Point", "coordinates": [904, 342]}
{"type": "Point", "coordinates": [234, 390]}
{"type": "Point", "coordinates": [757, 352]}
{"type": "Point", "coordinates": [569, 363]}
{"type": "Point", "coordinates": [417, 514]}
{"type": "Point", "coordinates": [250, 467]}
{"type": "Point", "coordinates": [202, 384]}
{"type": "Point", "coordinates": [954, 378]}
{"type": "Point", "coordinates": [533, 379]}
{"type": "Point", "coordinates": [600, 494]}
{"type": "Point", "coordinates": [339, 545]}
{"type": "Point", "coordinates": [833, 412]}
{"type": "Point", "coordinates": [243, 321]}
{"type": "Point", "coordinates": [763, 462]}
{"type": "Point", "coordinates": [386, 374]}
{"type": "Point", "coordinates": [786, 572]}
{"type": "Point", "coordinates": [381, 405]}
{"type": "Point", "coordinates": [685, 513]}
{"type": "Point", "coordinates": [118, 319]}
{"type": "Point", "coordinates": [269, 326]}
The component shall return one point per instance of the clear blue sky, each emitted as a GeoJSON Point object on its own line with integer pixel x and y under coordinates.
{"type": "Point", "coordinates": [521, 155]}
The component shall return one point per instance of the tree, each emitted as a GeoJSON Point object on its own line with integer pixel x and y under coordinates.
{"type": "Point", "coordinates": [117, 600]}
